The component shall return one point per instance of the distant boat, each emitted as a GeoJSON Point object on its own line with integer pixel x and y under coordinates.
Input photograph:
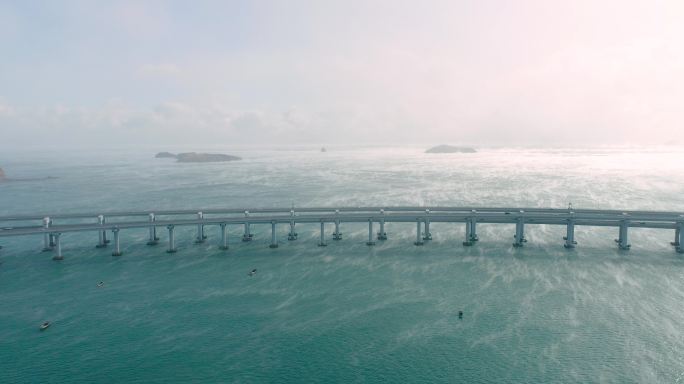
{"type": "Point", "coordinates": [254, 271]}
{"type": "Point", "coordinates": [44, 325]}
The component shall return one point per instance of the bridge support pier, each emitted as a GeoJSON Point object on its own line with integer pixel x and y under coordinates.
{"type": "Point", "coordinates": [428, 234]}
{"type": "Point", "coordinates": [322, 242]}
{"type": "Point", "coordinates": [247, 236]}
{"type": "Point", "coordinates": [473, 230]}
{"type": "Point", "coordinates": [46, 236]}
{"type": "Point", "coordinates": [370, 233]}
{"type": "Point", "coordinates": [102, 235]}
{"type": "Point", "coordinates": [274, 236]}
{"type": "Point", "coordinates": [382, 235]}
{"type": "Point", "coordinates": [51, 236]}
{"type": "Point", "coordinates": [570, 235]}
{"type": "Point", "coordinates": [224, 237]}
{"type": "Point", "coordinates": [623, 238]}
{"type": "Point", "coordinates": [519, 233]}
{"type": "Point", "coordinates": [676, 241]}
{"type": "Point", "coordinates": [419, 239]}
{"type": "Point", "coordinates": [46, 242]}
{"type": "Point", "coordinates": [200, 229]}
{"type": "Point", "coordinates": [58, 246]}
{"type": "Point", "coordinates": [679, 238]}
{"type": "Point", "coordinates": [104, 232]}
{"type": "Point", "coordinates": [678, 231]}
{"type": "Point", "coordinates": [468, 234]}
{"type": "Point", "coordinates": [117, 245]}
{"type": "Point", "coordinates": [292, 235]}
{"type": "Point", "coordinates": [172, 240]}
{"type": "Point", "coordinates": [337, 235]}
{"type": "Point", "coordinates": [153, 240]}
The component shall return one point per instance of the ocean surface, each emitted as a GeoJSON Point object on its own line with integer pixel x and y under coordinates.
{"type": "Point", "coordinates": [346, 313]}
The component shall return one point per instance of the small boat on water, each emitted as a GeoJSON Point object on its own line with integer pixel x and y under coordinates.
{"type": "Point", "coordinates": [100, 284]}
{"type": "Point", "coordinates": [253, 272]}
{"type": "Point", "coordinates": [44, 326]}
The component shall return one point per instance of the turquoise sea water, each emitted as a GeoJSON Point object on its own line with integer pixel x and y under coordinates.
{"type": "Point", "coordinates": [346, 312]}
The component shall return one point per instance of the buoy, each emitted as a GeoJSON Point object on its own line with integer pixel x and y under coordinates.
{"type": "Point", "coordinates": [460, 314]}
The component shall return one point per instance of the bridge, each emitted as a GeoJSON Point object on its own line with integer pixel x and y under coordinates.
{"type": "Point", "coordinates": [52, 226]}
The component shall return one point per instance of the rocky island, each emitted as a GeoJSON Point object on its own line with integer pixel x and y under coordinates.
{"type": "Point", "coordinates": [165, 155]}
{"type": "Point", "coordinates": [450, 149]}
{"type": "Point", "coordinates": [194, 157]}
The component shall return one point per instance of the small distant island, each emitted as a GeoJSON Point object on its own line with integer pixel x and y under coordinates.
{"type": "Point", "coordinates": [165, 155]}
{"type": "Point", "coordinates": [194, 157]}
{"type": "Point", "coordinates": [4, 178]}
{"type": "Point", "coordinates": [450, 149]}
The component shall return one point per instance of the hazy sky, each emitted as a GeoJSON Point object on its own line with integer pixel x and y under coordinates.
{"type": "Point", "coordinates": [516, 72]}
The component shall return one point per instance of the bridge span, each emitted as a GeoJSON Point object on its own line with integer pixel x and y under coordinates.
{"type": "Point", "coordinates": [52, 226]}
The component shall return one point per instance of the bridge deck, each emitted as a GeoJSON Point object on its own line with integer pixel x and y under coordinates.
{"type": "Point", "coordinates": [55, 224]}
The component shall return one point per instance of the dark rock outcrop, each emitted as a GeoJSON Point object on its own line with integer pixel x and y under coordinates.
{"type": "Point", "coordinates": [450, 149]}
{"type": "Point", "coordinates": [194, 157]}
{"type": "Point", "coordinates": [165, 155]}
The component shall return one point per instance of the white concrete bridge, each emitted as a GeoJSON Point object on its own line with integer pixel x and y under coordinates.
{"type": "Point", "coordinates": [52, 226]}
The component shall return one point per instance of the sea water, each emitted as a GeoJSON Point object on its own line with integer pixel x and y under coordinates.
{"type": "Point", "coordinates": [346, 312]}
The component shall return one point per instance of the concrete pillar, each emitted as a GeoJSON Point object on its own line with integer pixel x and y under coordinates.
{"type": "Point", "coordinates": [680, 237]}
{"type": "Point", "coordinates": [104, 232]}
{"type": "Point", "coordinates": [468, 234]}
{"type": "Point", "coordinates": [101, 241]}
{"type": "Point", "coordinates": [473, 227]}
{"type": "Point", "coordinates": [46, 236]}
{"type": "Point", "coordinates": [117, 245]}
{"type": "Point", "coordinates": [428, 235]}
{"type": "Point", "coordinates": [570, 235]}
{"type": "Point", "coordinates": [382, 235]}
{"type": "Point", "coordinates": [58, 246]}
{"type": "Point", "coordinates": [678, 233]}
{"type": "Point", "coordinates": [370, 233]}
{"type": "Point", "coordinates": [274, 236]}
{"type": "Point", "coordinates": [623, 236]}
{"type": "Point", "coordinates": [200, 229]}
{"type": "Point", "coordinates": [247, 236]}
{"type": "Point", "coordinates": [292, 235]}
{"type": "Point", "coordinates": [519, 232]}
{"type": "Point", "coordinates": [153, 240]}
{"type": "Point", "coordinates": [322, 242]}
{"type": "Point", "coordinates": [51, 235]}
{"type": "Point", "coordinates": [172, 240]}
{"type": "Point", "coordinates": [337, 235]}
{"type": "Point", "coordinates": [224, 237]}
{"type": "Point", "coordinates": [419, 239]}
